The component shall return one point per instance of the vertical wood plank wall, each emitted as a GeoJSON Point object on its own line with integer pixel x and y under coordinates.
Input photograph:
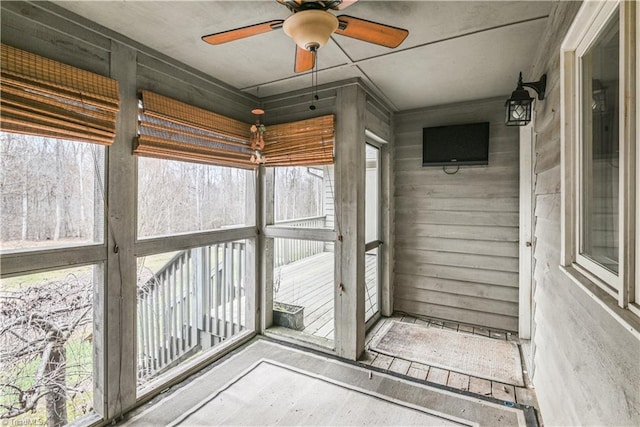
{"type": "Point", "coordinates": [587, 366]}
{"type": "Point", "coordinates": [456, 236]}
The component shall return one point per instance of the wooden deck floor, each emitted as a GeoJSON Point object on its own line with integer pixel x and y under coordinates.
{"type": "Point", "coordinates": [310, 283]}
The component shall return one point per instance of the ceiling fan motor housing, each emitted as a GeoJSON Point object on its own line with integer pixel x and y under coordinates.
{"type": "Point", "coordinates": [310, 29]}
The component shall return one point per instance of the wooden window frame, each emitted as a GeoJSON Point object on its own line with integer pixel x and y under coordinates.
{"type": "Point", "coordinates": [617, 293]}
{"type": "Point", "coordinates": [154, 245]}
{"type": "Point", "coordinates": [16, 263]}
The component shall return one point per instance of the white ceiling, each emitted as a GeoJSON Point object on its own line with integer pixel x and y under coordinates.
{"type": "Point", "coordinates": [455, 51]}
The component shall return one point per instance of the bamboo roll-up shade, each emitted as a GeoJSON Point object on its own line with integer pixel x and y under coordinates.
{"type": "Point", "coordinates": [305, 142]}
{"type": "Point", "coordinates": [173, 130]}
{"type": "Point", "coordinates": [43, 97]}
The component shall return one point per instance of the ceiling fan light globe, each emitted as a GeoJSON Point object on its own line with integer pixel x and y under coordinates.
{"type": "Point", "coordinates": [310, 28]}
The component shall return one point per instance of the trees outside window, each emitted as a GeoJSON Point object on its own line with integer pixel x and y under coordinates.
{"type": "Point", "coordinates": [51, 193]}
{"type": "Point", "coordinates": [46, 334]}
{"type": "Point", "coordinates": [181, 197]}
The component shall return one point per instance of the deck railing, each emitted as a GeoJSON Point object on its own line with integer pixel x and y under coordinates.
{"type": "Point", "coordinates": [195, 301]}
{"type": "Point", "coordinates": [290, 250]}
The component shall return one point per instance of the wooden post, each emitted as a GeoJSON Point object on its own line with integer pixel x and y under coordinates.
{"type": "Point", "coordinates": [266, 185]}
{"type": "Point", "coordinates": [350, 185]}
{"type": "Point", "coordinates": [525, 231]}
{"type": "Point", "coordinates": [117, 342]}
{"type": "Point", "coordinates": [385, 251]}
{"type": "Point", "coordinates": [251, 254]}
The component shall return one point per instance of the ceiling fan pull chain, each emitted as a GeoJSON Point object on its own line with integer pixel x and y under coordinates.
{"type": "Point", "coordinates": [314, 79]}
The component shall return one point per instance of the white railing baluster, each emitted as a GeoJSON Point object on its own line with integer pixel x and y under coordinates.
{"type": "Point", "coordinates": [230, 287]}
{"type": "Point", "coordinates": [166, 318]}
{"type": "Point", "coordinates": [225, 283]}
{"type": "Point", "coordinates": [146, 323]}
{"type": "Point", "coordinates": [196, 289]}
{"type": "Point", "coordinates": [182, 302]}
{"type": "Point", "coordinates": [171, 307]}
{"type": "Point", "coordinates": [206, 287]}
{"type": "Point", "coordinates": [193, 308]}
{"type": "Point", "coordinates": [241, 265]}
{"type": "Point", "coordinates": [140, 346]}
{"type": "Point", "coordinates": [215, 281]}
{"type": "Point", "coordinates": [157, 321]}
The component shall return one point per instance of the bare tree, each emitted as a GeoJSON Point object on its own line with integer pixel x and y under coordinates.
{"type": "Point", "coordinates": [36, 324]}
{"type": "Point", "coordinates": [47, 187]}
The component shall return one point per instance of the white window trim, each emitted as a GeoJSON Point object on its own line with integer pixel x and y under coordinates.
{"type": "Point", "coordinates": [594, 279]}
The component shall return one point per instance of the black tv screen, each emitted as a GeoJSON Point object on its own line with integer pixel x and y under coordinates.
{"type": "Point", "coordinates": [466, 144]}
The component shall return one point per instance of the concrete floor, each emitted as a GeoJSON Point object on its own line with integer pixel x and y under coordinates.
{"type": "Point", "coordinates": [375, 384]}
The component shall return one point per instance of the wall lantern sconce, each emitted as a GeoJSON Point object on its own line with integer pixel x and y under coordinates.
{"type": "Point", "coordinates": [518, 107]}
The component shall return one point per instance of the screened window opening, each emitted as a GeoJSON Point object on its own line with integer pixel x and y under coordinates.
{"type": "Point", "coordinates": [372, 230]}
{"type": "Point", "coordinates": [371, 280]}
{"type": "Point", "coordinates": [46, 336]}
{"type": "Point", "coordinates": [56, 120]}
{"type": "Point", "coordinates": [188, 302]}
{"type": "Point", "coordinates": [180, 197]}
{"type": "Point", "coordinates": [52, 192]}
{"type": "Point", "coordinates": [303, 286]}
{"type": "Point", "coordinates": [304, 196]}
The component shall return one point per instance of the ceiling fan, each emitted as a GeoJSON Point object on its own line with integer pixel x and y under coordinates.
{"type": "Point", "coordinates": [310, 26]}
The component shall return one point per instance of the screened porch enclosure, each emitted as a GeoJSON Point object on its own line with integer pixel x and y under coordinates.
{"type": "Point", "coordinates": [188, 302]}
{"type": "Point", "coordinates": [309, 282]}
{"type": "Point", "coordinates": [304, 279]}
{"type": "Point", "coordinates": [192, 300]}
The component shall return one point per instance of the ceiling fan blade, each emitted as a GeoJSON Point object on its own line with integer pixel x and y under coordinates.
{"type": "Point", "coordinates": [240, 33]}
{"type": "Point", "coordinates": [372, 32]}
{"type": "Point", "coordinates": [305, 60]}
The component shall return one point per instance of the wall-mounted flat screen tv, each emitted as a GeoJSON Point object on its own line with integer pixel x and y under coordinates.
{"type": "Point", "coordinates": [466, 144]}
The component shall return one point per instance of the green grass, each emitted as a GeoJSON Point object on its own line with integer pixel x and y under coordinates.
{"type": "Point", "coordinates": [79, 377]}
{"type": "Point", "coordinates": [21, 282]}
{"type": "Point", "coordinates": [156, 262]}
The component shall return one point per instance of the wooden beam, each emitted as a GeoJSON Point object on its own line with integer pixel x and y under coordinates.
{"type": "Point", "coordinates": [116, 337]}
{"type": "Point", "coordinates": [274, 231]}
{"type": "Point", "coordinates": [252, 255]}
{"type": "Point", "coordinates": [181, 242]}
{"type": "Point", "coordinates": [350, 216]}
{"type": "Point", "coordinates": [266, 193]}
{"type": "Point", "coordinates": [19, 263]}
{"type": "Point", "coordinates": [387, 212]}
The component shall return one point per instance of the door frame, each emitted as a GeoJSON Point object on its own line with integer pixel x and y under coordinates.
{"type": "Point", "coordinates": [525, 293]}
{"type": "Point", "coordinates": [377, 243]}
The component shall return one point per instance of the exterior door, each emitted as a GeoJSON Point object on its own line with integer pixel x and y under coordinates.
{"type": "Point", "coordinates": [372, 232]}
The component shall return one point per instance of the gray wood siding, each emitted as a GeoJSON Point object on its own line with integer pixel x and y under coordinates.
{"type": "Point", "coordinates": [456, 236]}
{"type": "Point", "coordinates": [586, 364]}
